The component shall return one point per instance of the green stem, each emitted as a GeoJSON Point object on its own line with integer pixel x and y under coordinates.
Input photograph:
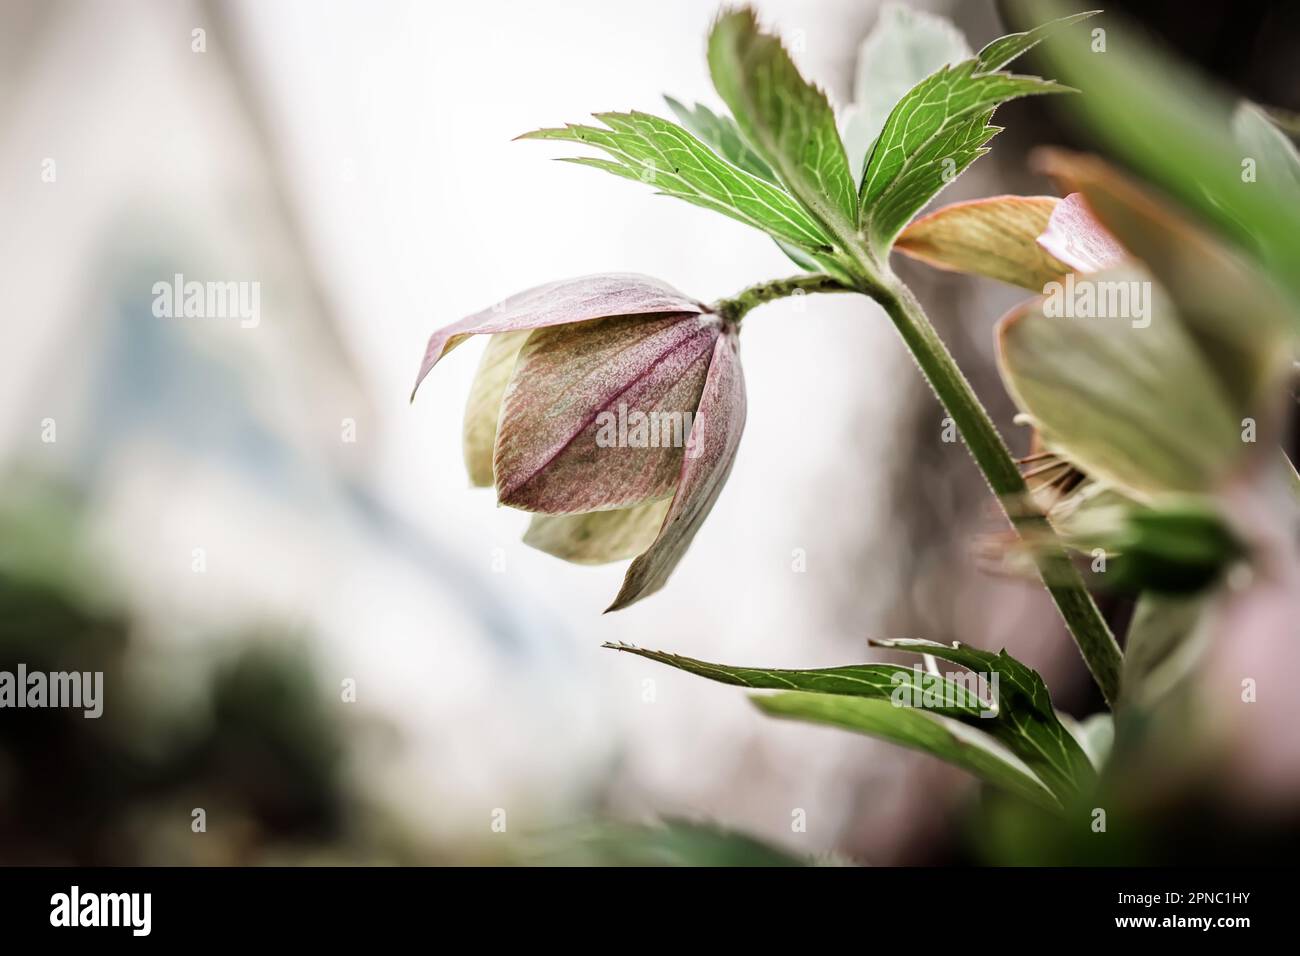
{"type": "Point", "coordinates": [735, 308]}
{"type": "Point", "coordinates": [1100, 651]}
{"type": "Point", "coordinates": [1096, 643]}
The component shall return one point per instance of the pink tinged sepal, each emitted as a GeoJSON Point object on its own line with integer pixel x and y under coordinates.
{"type": "Point", "coordinates": [708, 460]}
{"type": "Point", "coordinates": [598, 537]}
{"type": "Point", "coordinates": [484, 405]}
{"type": "Point", "coordinates": [558, 303]}
{"type": "Point", "coordinates": [1075, 237]}
{"type": "Point", "coordinates": [564, 444]}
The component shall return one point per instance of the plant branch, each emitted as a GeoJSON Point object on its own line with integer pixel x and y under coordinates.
{"type": "Point", "coordinates": [1100, 651]}
{"type": "Point", "coordinates": [735, 308]}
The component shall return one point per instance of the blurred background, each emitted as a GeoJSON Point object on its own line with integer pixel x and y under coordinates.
{"type": "Point", "coordinates": [309, 627]}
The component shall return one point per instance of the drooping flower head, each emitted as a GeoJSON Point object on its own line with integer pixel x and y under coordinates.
{"type": "Point", "coordinates": [611, 407]}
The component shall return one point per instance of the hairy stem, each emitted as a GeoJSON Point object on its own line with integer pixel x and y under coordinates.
{"type": "Point", "coordinates": [735, 308]}
{"type": "Point", "coordinates": [1100, 651]}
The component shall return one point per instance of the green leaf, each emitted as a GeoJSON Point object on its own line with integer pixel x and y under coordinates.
{"type": "Point", "coordinates": [902, 49]}
{"type": "Point", "coordinates": [877, 681]}
{"type": "Point", "coordinates": [951, 742]}
{"type": "Point", "coordinates": [1021, 718]}
{"type": "Point", "coordinates": [939, 128]}
{"type": "Point", "coordinates": [655, 151]}
{"type": "Point", "coordinates": [1005, 49]}
{"type": "Point", "coordinates": [670, 843]}
{"type": "Point", "coordinates": [788, 120]}
{"type": "Point", "coordinates": [1165, 640]}
{"type": "Point", "coordinates": [1026, 724]}
{"type": "Point", "coordinates": [722, 134]}
{"type": "Point", "coordinates": [1131, 401]}
{"type": "Point", "coordinates": [1286, 121]}
{"type": "Point", "coordinates": [1180, 544]}
{"type": "Point", "coordinates": [932, 135]}
{"type": "Point", "coordinates": [1180, 547]}
{"type": "Point", "coordinates": [1274, 154]}
{"type": "Point", "coordinates": [1096, 735]}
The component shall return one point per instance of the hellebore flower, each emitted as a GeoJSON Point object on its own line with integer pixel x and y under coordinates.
{"type": "Point", "coordinates": [611, 406]}
{"type": "Point", "coordinates": [1158, 401]}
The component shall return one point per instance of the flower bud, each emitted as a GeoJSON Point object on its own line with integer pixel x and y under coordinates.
{"type": "Point", "coordinates": [611, 406]}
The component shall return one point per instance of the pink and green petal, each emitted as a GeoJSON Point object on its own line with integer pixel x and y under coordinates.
{"type": "Point", "coordinates": [711, 453]}
{"type": "Point", "coordinates": [569, 382]}
{"type": "Point", "coordinates": [995, 237]}
{"type": "Point", "coordinates": [1075, 237]}
{"type": "Point", "coordinates": [598, 537]}
{"type": "Point", "coordinates": [558, 303]}
{"type": "Point", "coordinates": [484, 405]}
{"type": "Point", "coordinates": [1241, 321]}
{"type": "Point", "coordinates": [1135, 405]}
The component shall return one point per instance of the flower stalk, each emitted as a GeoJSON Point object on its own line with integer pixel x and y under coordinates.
{"type": "Point", "coordinates": [1096, 643]}
{"type": "Point", "coordinates": [1100, 651]}
{"type": "Point", "coordinates": [735, 308]}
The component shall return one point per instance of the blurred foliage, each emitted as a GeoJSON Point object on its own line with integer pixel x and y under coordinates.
{"type": "Point", "coordinates": [671, 843]}
{"type": "Point", "coordinates": [248, 735]}
{"type": "Point", "coordinates": [1171, 791]}
{"type": "Point", "coordinates": [257, 749]}
{"type": "Point", "coordinates": [236, 724]}
{"type": "Point", "coordinates": [1155, 811]}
